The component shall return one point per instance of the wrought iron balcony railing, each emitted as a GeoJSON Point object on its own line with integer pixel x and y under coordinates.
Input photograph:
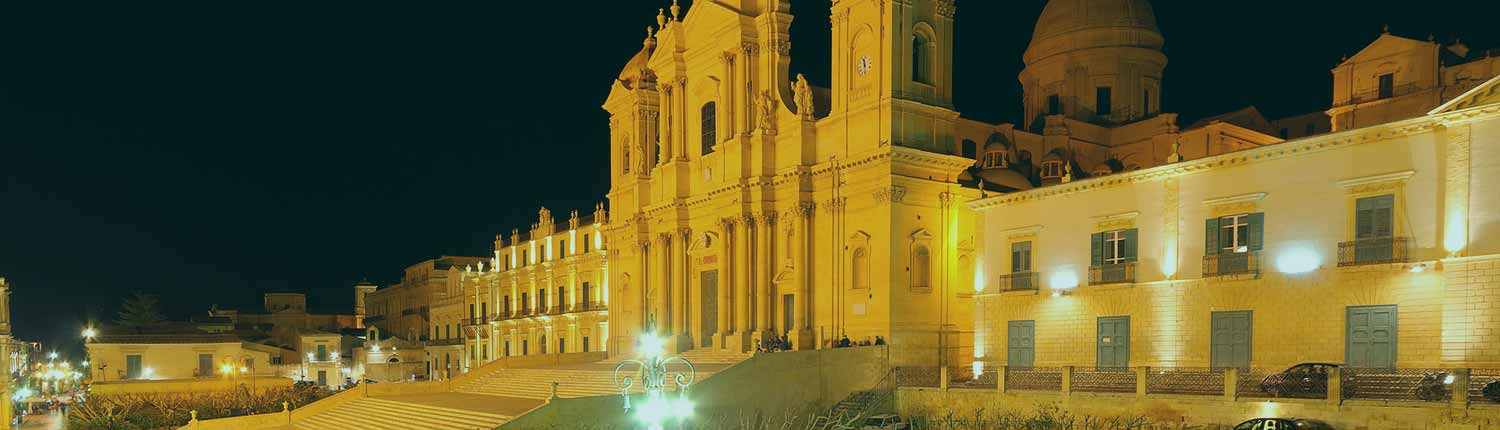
{"type": "Point", "coordinates": [1374, 251]}
{"type": "Point", "coordinates": [445, 342]}
{"type": "Point", "coordinates": [588, 306]}
{"type": "Point", "coordinates": [1019, 281]}
{"type": "Point", "coordinates": [1232, 263]}
{"type": "Point", "coordinates": [1118, 273]}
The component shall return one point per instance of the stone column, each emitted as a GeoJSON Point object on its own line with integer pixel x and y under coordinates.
{"type": "Point", "coordinates": [726, 228]}
{"type": "Point", "coordinates": [744, 242]}
{"type": "Point", "coordinates": [800, 335]}
{"type": "Point", "coordinates": [725, 116]}
{"type": "Point", "coordinates": [665, 327]}
{"type": "Point", "coordinates": [680, 319]}
{"type": "Point", "coordinates": [643, 250]}
{"type": "Point", "coordinates": [763, 273]}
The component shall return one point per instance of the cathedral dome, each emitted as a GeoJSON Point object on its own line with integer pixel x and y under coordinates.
{"type": "Point", "coordinates": [1069, 25]}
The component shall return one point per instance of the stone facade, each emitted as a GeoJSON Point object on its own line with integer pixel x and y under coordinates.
{"type": "Point", "coordinates": [1306, 278]}
{"type": "Point", "coordinates": [544, 292]}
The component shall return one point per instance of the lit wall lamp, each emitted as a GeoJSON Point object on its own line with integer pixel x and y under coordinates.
{"type": "Point", "coordinates": [1418, 268]}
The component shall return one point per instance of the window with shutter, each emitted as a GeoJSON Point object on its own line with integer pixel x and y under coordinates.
{"type": "Point", "coordinates": [1096, 249]}
{"type": "Point", "coordinates": [1020, 257]}
{"type": "Point", "coordinates": [1373, 217]}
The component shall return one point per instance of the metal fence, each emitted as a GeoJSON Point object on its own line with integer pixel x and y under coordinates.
{"type": "Point", "coordinates": [1019, 281]}
{"type": "Point", "coordinates": [964, 377]}
{"type": "Point", "coordinates": [1302, 382]}
{"type": "Point", "coordinates": [1247, 383]}
{"type": "Point", "coordinates": [1423, 385]}
{"type": "Point", "coordinates": [1119, 273]}
{"type": "Point", "coordinates": [1479, 380]}
{"type": "Point", "coordinates": [1033, 378]}
{"type": "Point", "coordinates": [918, 376]}
{"type": "Point", "coordinates": [1205, 381]}
{"type": "Point", "coordinates": [1380, 250]}
{"type": "Point", "coordinates": [1242, 264]}
{"type": "Point", "coordinates": [1104, 380]}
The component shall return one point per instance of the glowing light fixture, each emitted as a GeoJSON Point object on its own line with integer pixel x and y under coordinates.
{"type": "Point", "coordinates": [1297, 260]}
{"type": "Point", "coordinates": [978, 369]}
{"type": "Point", "coordinates": [653, 375]}
{"type": "Point", "coordinates": [1419, 268]}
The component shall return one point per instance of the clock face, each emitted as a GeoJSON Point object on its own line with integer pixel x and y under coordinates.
{"type": "Point", "coordinates": [864, 64]}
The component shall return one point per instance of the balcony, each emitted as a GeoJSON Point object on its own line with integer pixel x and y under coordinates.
{"type": "Point", "coordinates": [1376, 94]}
{"type": "Point", "coordinates": [1232, 264]}
{"type": "Point", "coordinates": [1118, 273]}
{"type": "Point", "coordinates": [474, 321]}
{"type": "Point", "coordinates": [588, 306]}
{"type": "Point", "coordinates": [1019, 281]}
{"type": "Point", "coordinates": [445, 342]}
{"type": "Point", "coordinates": [1381, 250]}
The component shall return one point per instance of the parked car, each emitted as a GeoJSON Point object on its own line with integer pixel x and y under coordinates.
{"type": "Point", "coordinates": [1303, 380]}
{"type": "Point", "coordinates": [1283, 424]}
{"type": "Point", "coordinates": [884, 422]}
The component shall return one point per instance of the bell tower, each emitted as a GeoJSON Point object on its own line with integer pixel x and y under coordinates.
{"type": "Point", "coordinates": [899, 51]}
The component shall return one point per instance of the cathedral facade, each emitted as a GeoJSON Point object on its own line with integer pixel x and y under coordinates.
{"type": "Point", "coordinates": [748, 204]}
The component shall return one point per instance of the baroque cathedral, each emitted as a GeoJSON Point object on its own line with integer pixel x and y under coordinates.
{"type": "Point", "coordinates": [749, 204]}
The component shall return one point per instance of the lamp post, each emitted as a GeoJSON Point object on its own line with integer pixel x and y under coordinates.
{"type": "Point", "coordinates": [653, 376]}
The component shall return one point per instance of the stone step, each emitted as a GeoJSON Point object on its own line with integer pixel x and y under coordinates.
{"type": "Point", "coordinates": [382, 414]}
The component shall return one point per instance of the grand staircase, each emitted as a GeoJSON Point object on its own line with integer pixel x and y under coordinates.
{"type": "Point", "coordinates": [380, 414]}
{"type": "Point", "coordinates": [581, 380]}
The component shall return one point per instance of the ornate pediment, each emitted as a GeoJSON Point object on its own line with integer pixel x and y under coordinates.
{"type": "Point", "coordinates": [1487, 93]}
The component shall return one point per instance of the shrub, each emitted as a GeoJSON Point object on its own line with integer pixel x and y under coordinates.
{"type": "Point", "coordinates": [153, 411]}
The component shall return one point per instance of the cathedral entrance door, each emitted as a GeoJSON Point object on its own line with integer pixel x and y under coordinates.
{"type": "Point", "coordinates": [710, 313]}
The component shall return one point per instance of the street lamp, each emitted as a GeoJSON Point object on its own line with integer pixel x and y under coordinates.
{"type": "Point", "coordinates": [89, 334]}
{"type": "Point", "coordinates": [652, 372]}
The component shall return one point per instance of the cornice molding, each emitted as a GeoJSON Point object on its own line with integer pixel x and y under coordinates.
{"type": "Point", "coordinates": [1242, 198]}
{"type": "Point", "coordinates": [1377, 179]}
{"type": "Point", "coordinates": [1298, 148]}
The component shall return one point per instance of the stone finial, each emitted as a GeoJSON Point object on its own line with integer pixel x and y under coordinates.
{"type": "Point", "coordinates": [1385, 29]}
{"type": "Point", "coordinates": [650, 36]}
{"type": "Point", "coordinates": [661, 18]}
{"type": "Point", "coordinates": [285, 406]}
{"type": "Point", "coordinates": [194, 414]}
{"type": "Point", "coordinates": [676, 10]}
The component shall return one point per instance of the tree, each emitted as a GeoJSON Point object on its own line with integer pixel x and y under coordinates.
{"type": "Point", "coordinates": [139, 311]}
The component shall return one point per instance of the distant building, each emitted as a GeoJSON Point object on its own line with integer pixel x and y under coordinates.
{"type": "Point", "coordinates": [543, 293]}
{"type": "Point", "coordinates": [284, 340]}
{"type": "Point", "coordinates": [1396, 78]}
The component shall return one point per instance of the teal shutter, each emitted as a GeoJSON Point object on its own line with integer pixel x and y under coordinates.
{"type": "Point", "coordinates": [1373, 216]}
{"type": "Point", "coordinates": [1130, 244]}
{"type": "Point", "coordinates": [1384, 215]}
{"type": "Point", "coordinates": [1211, 236]}
{"type": "Point", "coordinates": [1097, 249]}
{"type": "Point", "coordinates": [1257, 228]}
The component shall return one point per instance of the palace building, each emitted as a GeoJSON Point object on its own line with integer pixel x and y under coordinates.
{"type": "Point", "coordinates": [543, 292]}
{"type": "Point", "coordinates": [1372, 245]}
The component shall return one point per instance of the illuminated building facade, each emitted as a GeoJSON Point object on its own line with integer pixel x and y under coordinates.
{"type": "Point", "coordinates": [1373, 245]}
{"type": "Point", "coordinates": [544, 292]}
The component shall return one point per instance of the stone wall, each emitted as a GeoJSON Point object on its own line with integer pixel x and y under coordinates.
{"type": "Point", "coordinates": [1197, 410]}
{"type": "Point", "coordinates": [767, 385]}
{"type": "Point", "coordinates": [186, 385]}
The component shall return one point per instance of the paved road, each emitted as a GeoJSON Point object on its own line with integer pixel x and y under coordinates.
{"type": "Point", "coordinates": [53, 420]}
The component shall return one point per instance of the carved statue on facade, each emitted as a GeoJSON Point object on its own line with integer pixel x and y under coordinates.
{"type": "Point", "coordinates": [625, 150]}
{"type": "Point", "coordinates": [802, 95]}
{"type": "Point", "coordinates": [767, 112]}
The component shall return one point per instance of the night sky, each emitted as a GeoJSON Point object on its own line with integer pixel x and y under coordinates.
{"type": "Point", "coordinates": [211, 151]}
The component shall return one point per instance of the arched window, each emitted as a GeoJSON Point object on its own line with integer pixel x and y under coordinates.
{"type": "Point", "coordinates": [921, 265]}
{"type": "Point", "coordinates": [708, 128]}
{"type": "Point", "coordinates": [861, 266]}
{"type": "Point", "coordinates": [921, 58]}
{"type": "Point", "coordinates": [969, 149]}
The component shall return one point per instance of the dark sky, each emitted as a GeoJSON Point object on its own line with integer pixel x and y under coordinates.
{"type": "Point", "coordinates": [209, 151]}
